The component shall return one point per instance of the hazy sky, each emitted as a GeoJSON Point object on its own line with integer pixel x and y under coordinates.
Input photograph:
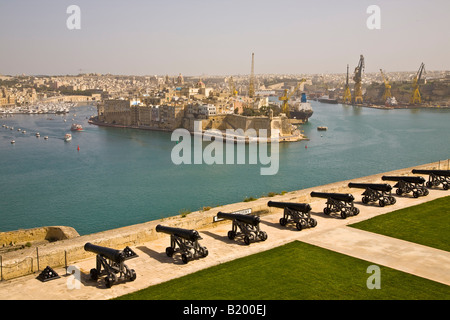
{"type": "Point", "coordinates": [194, 37]}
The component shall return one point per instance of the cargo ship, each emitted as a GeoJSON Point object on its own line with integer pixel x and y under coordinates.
{"type": "Point", "coordinates": [301, 110]}
{"type": "Point", "coordinates": [327, 99]}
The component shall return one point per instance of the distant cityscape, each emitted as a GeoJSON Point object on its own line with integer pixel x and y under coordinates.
{"type": "Point", "coordinates": [166, 102]}
{"type": "Point", "coordinates": [23, 90]}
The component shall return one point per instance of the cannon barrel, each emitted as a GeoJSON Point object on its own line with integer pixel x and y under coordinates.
{"type": "Point", "coordinates": [191, 235]}
{"type": "Point", "coordinates": [444, 173]}
{"type": "Point", "coordinates": [374, 186]}
{"type": "Point", "coordinates": [302, 207]}
{"type": "Point", "coordinates": [404, 178]}
{"type": "Point", "coordinates": [346, 197]}
{"type": "Point", "coordinates": [112, 254]}
{"type": "Point", "coordinates": [246, 218]}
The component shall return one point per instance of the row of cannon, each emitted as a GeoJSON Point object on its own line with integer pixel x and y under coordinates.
{"type": "Point", "coordinates": [110, 262]}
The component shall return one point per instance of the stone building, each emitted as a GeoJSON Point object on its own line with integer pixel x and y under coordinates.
{"type": "Point", "coordinates": [116, 112]}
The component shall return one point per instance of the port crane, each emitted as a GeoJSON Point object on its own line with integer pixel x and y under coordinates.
{"type": "Point", "coordinates": [358, 78]}
{"type": "Point", "coordinates": [251, 87]}
{"type": "Point", "coordinates": [387, 87]}
{"type": "Point", "coordinates": [415, 97]}
{"type": "Point", "coordinates": [232, 87]}
{"type": "Point", "coordinates": [285, 98]}
{"type": "Point", "coordinates": [347, 93]}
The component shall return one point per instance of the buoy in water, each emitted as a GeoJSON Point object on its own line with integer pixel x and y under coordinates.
{"type": "Point", "coordinates": [78, 147]}
{"type": "Point", "coordinates": [306, 147]}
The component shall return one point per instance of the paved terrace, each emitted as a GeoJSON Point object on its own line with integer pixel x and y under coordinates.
{"type": "Point", "coordinates": [152, 266]}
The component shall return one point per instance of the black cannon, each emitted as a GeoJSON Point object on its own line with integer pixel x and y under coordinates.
{"type": "Point", "coordinates": [375, 192]}
{"type": "Point", "coordinates": [407, 184]}
{"type": "Point", "coordinates": [109, 263]}
{"type": "Point", "coordinates": [436, 177]}
{"type": "Point", "coordinates": [247, 224]}
{"type": "Point", "coordinates": [297, 213]}
{"type": "Point", "coordinates": [187, 242]}
{"type": "Point", "coordinates": [336, 202]}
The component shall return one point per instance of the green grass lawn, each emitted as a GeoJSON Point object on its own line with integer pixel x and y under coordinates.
{"type": "Point", "coordinates": [427, 224]}
{"type": "Point", "coordinates": [294, 271]}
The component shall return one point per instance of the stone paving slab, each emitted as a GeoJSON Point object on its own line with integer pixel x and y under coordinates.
{"type": "Point", "coordinates": [153, 266]}
{"type": "Point", "coordinates": [397, 254]}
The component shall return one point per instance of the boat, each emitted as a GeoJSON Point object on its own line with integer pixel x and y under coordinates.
{"type": "Point", "coordinates": [76, 127]}
{"type": "Point", "coordinates": [327, 99]}
{"type": "Point", "coordinates": [46, 137]}
{"type": "Point", "coordinates": [391, 102]}
{"type": "Point", "coordinates": [301, 110]}
{"type": "Point", "coordinates": [67, 137]}
{"type": "Point", "coordinates": [322, 128]}
{"type": "Point", "coordinates": [38, 134]}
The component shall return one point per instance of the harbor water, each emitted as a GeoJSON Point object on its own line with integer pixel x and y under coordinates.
{"type": "Point", "coordinates": [106, 178]}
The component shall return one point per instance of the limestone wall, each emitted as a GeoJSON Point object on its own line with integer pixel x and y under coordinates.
{"type": "Point", "coordinates": [24, 236]}
{"type": "Point", "coordinates": [68, 251]}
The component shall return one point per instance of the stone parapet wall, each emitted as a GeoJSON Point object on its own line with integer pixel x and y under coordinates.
{"type": "Point", "coordinates": [24, 236]}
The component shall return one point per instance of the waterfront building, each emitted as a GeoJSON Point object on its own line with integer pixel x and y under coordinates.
{"type": "Point", "coordinates": [155, 113]}
{"type": "Point", "coordinates": [117, 111]}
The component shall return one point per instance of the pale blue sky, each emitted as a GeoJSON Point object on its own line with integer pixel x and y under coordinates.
{"type": "Point", "coordinates": [194, 37]}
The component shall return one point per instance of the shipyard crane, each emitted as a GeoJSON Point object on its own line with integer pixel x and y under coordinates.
{"type": "Point", "coordinates": [286, 96]}
{"type": "Point", "coordinates": [251, 87]}
{"type": "Point", "coordinates": [232, 87]}
{"type": "Point", "coordinates": [358, 78]}
{"type": "Point", "coordinates": [415, 97]}
{"type": "Point", "coordinates": [387, 87]}
{"type": "Point", "coordinates": [347, 93]}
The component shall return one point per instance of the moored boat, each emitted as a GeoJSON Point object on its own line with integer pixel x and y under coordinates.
{"type": "Point", "coordinates": [301, 110]}
{"type": "Point", "coordinates": [67, 137]}
{"type": "Point", "coordinates": [76, 127]}
{"type": "Point", "coordinates": [327, 99]}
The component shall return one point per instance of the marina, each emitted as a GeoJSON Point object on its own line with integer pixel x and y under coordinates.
{"type": "Point", "coordinates": [38, 108]}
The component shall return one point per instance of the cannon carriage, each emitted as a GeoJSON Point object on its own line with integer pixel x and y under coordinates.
{"type": "Point", "coordinates": [109, 263]}
{"type": "Point", "coordinates": [245, 226]}
{"type": "Point", "coordinates": [297, 213]}
{"type": "Point", "coordinates": [375, 192]}
{"type": "Point", "coordinates": [338, 202]}
{"type": "Point", "coordinates": [407, 184]}
{"type": "Point", "coordinates": [184, 241]}
{"type": "Point", "coordinates": [435, 177]}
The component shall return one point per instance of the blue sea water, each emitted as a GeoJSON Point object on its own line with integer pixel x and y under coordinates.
{"type": "Point", "coordinates": [120, 177]}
